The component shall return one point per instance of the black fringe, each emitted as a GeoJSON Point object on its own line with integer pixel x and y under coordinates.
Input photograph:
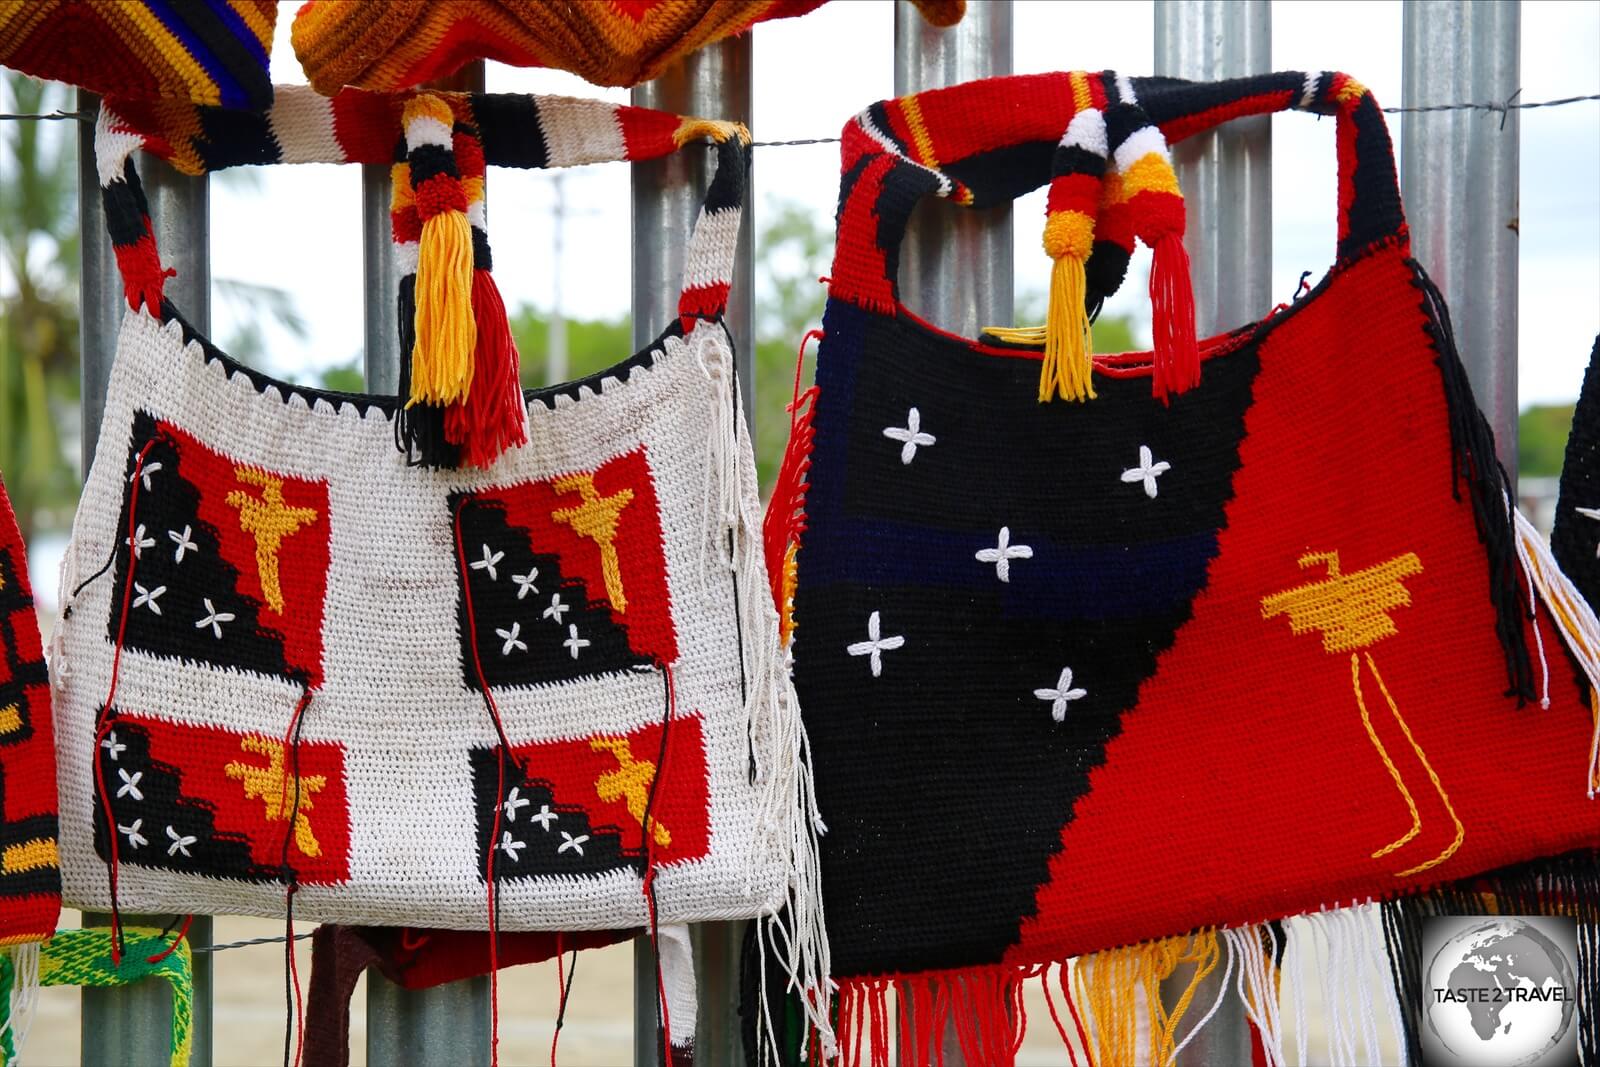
{"type": "Point", "coordinates": [1474, 461]}
{"type": "Point", "coordinates": [1567, 885]}
{"type": "Point", "coordinates": [419, 429]}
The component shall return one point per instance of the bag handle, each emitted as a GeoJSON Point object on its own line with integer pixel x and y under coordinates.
{"type": "Point", "coordinates": [364, 127]}
{"type": "Point", "coordinates": [990, 141]}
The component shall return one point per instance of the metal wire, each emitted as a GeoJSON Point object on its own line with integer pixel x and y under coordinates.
{"type": "Point", "coordinates": [247, 943]}
{"type": "Point", "coordinates": [1501, 108]}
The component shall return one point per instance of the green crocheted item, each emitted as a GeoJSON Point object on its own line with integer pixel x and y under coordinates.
{"type": "Point", "coordinates": [83, 958]}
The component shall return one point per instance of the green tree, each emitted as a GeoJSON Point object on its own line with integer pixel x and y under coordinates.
{"type": "Point", "coordinates": [38, 304]}
{"type": "Point", "coordinates": [1542, 439]}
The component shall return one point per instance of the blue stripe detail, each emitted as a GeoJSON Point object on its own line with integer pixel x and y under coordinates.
{"type": "Point", "coordinates": [1060, 582]}
{"type": "Point", "coordinates": [230, 92]}
{"type": "Point", "coordinates": [240, 29]}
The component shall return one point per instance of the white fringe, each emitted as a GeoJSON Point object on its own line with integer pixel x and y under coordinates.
{"type": "Point", "coordinates": [1564, 602]}
{"type": "Point", "coordinates": [720, 503]}
{"type": "Point", "coordinates": [793, 934]}
{"type": "Point", "coordinates": [1256, 988]}
{"type": "Point", "coordinates": [1343, 951]}
{"type": "Point", "coordinates": [24, 998]}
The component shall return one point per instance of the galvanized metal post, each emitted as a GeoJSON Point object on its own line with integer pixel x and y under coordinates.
{"type": "Point", "coordinates": [1459, 181]}
{"type": "Point", "coordinates": [713, 82]}
{"type": "Point", "coordinates": [955, 265]}
{"type": "Point", "coordinates": [133, 1025]}
{"type": "Point", "coordinates": [447, 1024]}
{"type": "Point", "coordinates": [1226, 176]}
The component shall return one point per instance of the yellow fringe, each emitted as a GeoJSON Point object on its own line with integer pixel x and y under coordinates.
{"type": "Point", "coordinates": [441, 364]}
{"type": "Point", "coordinates": [1109, 985]}
{"type": "Point", "coordinates": [1068, 362]}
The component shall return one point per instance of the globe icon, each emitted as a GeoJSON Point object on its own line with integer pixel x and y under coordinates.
{"type": "Point", "coordinates": [1500, 993]}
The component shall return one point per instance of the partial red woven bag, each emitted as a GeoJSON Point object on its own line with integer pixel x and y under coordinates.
{"type": "Point", "coordinates": [30, 877]}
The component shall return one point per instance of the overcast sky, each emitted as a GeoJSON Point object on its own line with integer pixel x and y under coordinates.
{"type": "Point", "coordinates": [813, 73]}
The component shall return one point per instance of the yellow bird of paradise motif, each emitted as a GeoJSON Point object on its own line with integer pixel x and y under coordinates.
{"type": "Point", "coordinates": [269, 520]}
{"type": "Point", "coordinates": [1351, 611]}
{"type": "Point", "coordinates": [596, 518]}
{"type": "Point", "coordinates": [630, 781]}
{"type": "Point", "coordinates": [276, 789]}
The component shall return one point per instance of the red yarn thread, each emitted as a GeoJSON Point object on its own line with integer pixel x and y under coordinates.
{"type": "Point", "coordinates": [500, 790]}
{"type": "Point", "coordinates": [104, 726]}
{"type": "Point", "coordinates": [493, 418]}
{"type": "Point", "coordinates": [650, 864]}
{"type": "Point", "coordinates": [1177, 352]}
{"type": "Point", "coordinates": [183, 932]}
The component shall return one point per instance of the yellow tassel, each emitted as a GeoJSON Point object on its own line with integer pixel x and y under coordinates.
{"type": "Point", "coordinates": [441, 364]}
{"type": "Point", "coordinates": [1068, 365]}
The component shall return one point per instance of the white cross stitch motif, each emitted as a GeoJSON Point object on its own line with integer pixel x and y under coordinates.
{"type": "Point", "coordinates": [135, 838]}
{"type": "Point", "coordinates": [144, 473]}
{"type": "Point", "coordinates": [147, 597]}
{"type": "Point", "coordinates": [511, 846]}
{"type": "Point", "coordinates": [513, 802]}
{"type": "Point", "coordinates": [545, 817]}
{"type": "Point", "coordinates": [525, 582]}
{"type": "Point", "coordinates": [139, 542]}
{"type": "Point", "coordinates": [876, 644]}
{"type": "Point", "coordinates": [1148, 470]}
{"type": "Point", "coordinates": [911, 436]}
{"type": "Point", "coordinates": [183, 542]}
{"type": "Point", "coordinates": [570, 842]}
{"type": "Point", "coordinates": [213, 619]}
{"type": "Point", "coordinates": [510, 638]}
{"type": "Point", "coordinates": [1063, 694]}
{"type": "Point", "coordinates": [488, 563]}
{"type": "Point", "coordinates": [573, 641]}
{"type": "Point", "coordinates": [180, 843]}
{"type": "Point", "coordinates": [130, 784]}
{"type": "Point", "coordinates": [1002, 554]}
{"type": "Point", "coordinates": [113, 747]}
{"type": "Point", "coordinates": [556, 609]}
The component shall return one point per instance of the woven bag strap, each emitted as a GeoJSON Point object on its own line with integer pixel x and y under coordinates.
{"type": "Point", "coordinates": [363, 127]}
{"type": "Point", "coordinates": [988, 142]}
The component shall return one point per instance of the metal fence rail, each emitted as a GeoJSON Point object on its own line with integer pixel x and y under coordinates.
{"type": "Point", "coordinates": [957, 271]}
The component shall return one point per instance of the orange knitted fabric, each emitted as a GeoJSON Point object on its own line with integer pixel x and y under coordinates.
{"type": "Point", "coordinates": [403, 43]}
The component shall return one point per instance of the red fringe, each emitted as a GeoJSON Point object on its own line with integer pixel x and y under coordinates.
{"type": "Point", "coordinates": [983, 1009]}
{"type": "Point", "coordinates": [785, 519]}
{"type": "Point", "coordinates": [1177, 352]}
{"type": "Point", "coordinates": [493, 418]}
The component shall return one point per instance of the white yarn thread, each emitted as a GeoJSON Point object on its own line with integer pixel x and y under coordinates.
{"type": "Point", "coordinates": [1226, 944]}
{"type": "Point", "coordinates": [1564, 602]}
{"type": "Point", "coordinates": [24, 999]}
{"type": "Point", "coordinates": [1295, 935]}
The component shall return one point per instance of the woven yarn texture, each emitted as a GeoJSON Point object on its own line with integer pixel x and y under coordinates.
{"type": "Point", "coordinates": [281, 542]}
{"type": "Point", "coordinates": [1575, 534]}
{"type": "Point", "coordinates": [297, 666]}
{"type": "Point", "coordinates": [403, 43]}
{"type": "Point", "coordinates": [1080, 675]}
{"type": "Point", "coordinates": [207, 53]}
{"type": "Point", "coordinates": [30, 878]}
{"type": "Point", "coordinates": [83, 958]}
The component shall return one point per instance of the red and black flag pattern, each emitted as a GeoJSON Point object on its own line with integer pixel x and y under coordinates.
{"type": "Point", "coordinates": [30, 876]}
